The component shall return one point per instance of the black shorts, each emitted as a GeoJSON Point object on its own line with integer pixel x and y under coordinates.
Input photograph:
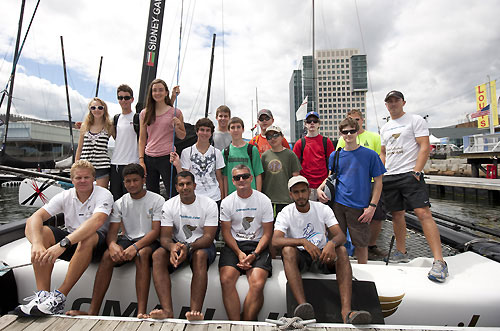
{"type": "Point", "coordinates": [404, 192]}
{"type": "Point", "coordinates": [211, 253]}
{"type": "Point", "coordinates": [306, 263]}
{"type": "Point", "coordinates": [101, 246]}
{"type": "Point", "coordinates": [125, 243]}
{"type": "Point", "coordinates": [229, 258]}
{"type": "Point", "coordinates": [380, 214]}
{"type": "Point", "coordinates": [102, 173]}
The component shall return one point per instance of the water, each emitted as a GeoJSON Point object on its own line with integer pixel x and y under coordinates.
{"type": "Point", "coordinates": [10, 210]}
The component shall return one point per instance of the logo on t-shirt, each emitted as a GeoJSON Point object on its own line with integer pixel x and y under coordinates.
{"type": "Point", "coordinates": [246, 222]}
{"type": "Point", "coordinates": [311, 235]}
{"type": "Point", "coordinates": [188, 230]}
{"type": "Point", "coordinates": [275, 166]}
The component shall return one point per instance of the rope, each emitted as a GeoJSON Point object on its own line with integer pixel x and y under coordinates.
{"type": "Point", "coordinates": [291, 323]}
{"type": "Point", "coordinates": [175, 104]}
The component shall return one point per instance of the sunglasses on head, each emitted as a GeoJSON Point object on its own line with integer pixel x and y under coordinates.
{"type": "Point", "coordinates": [346, 132]}
{"type": "Point", "coordinates": [239, 177]}
{"type": "Point", "coordinates": [264, 118]}
{"type": "Point", "coordinates": [126, 97]}
{"type": "Point", "coordinates": [272, 135]}
{"type": "Point", "coordinates": [312, 120]}
{"type": "Point", "coordinates": [98, 107]}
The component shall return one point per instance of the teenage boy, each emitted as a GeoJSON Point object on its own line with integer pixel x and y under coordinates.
{"type": "Point", "coordinates": [138, 213]}
{"type": "Point", "coordinates": [313, 151]}
{"type": "Point", "coordinates": [204, 161]}
{"type": "Point", "coordinates": [222, 137]}
{"type": "Point", "coordinates": [247, 227]}
{"type": "Point", "coordinates": [265, 120]}
{"type": "Point", "coordinates": [355, 199]}
{"type": "Point", "coordinates": [369, 140]}
{"type": "Point", "coordinates": [279, 164]}
{"type": "Point", "coordinates": [405, 149]}
{"type": "Point", "coordinates": [86, 209]}
{"type": "Point", "coordinates": [240, 152]}
{"type": "Point", "coordinates": [188, 226]}
{"type": "Point", "coordinates": [311, 240]}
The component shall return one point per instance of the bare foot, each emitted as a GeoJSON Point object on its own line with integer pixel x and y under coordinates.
{"type": "Point", "coordinates": [141, 316]}
{"type": "Point", "coordinates": [194, 315]}
{"type": "Point", "coordinates": [76, 312]}
{"type": "Point", "coordinates": [160, 314]}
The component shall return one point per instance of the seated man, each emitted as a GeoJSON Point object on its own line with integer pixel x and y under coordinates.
{"type": "Point", "coordinates": [139, 213]}
{"type": "Point", "coordinates": [300, 233]}
{"type": "Point", "coordinates": [247, 225]}
{"type": "Point", "coordinates": [86, 209]}
{"type": "Point", "coordinates": [188, 226]}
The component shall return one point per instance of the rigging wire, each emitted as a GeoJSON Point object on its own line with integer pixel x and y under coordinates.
{"type": "Point", "coordinates": [223, 58]}
{"type": "Point", "coordinates": [186, 44]}
{"type": "Point", "coordinates": [201, 89]}
{"type": "Point", "coordinates": [367, 66]}
{"type": "Point", "coordinates": [160, 67]}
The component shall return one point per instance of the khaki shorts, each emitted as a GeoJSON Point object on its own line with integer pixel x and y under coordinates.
{"type": "Point", "coordinates": [348, 219]}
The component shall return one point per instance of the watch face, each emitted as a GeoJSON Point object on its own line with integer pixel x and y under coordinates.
{"type": "Point", "coordinates": [64, 242]}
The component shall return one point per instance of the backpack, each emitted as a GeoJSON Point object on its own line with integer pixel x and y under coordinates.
{"type": "Point", "coordinates": [249, 152]}
{"type": "Point", "coordinates": [332, 180]}
{"type": "Point", "coordinates": [136, 123]}
{"type": "Point", "coordinates": [303, 145]}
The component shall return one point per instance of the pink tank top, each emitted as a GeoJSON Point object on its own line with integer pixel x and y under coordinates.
{"type": "Point", "coordinates": [160, 133]}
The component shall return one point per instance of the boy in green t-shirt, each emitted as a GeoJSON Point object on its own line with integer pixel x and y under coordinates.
{"type": "Point", "coordinates": [238, 152]}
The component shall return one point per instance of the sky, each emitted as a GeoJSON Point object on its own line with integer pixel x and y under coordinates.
{"type": "Point", "coordinates": [435, 52]}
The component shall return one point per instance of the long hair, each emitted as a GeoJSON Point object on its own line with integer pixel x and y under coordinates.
{"type": "Point", "coordinates": [90, 119]}
{"type": "Point", "coordinates": [150, 115]}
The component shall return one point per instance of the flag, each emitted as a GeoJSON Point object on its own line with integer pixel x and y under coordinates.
{"type": "Point", "coordinates": [300, 114]}
{"type": "Point", "coordinates": [150, 59]}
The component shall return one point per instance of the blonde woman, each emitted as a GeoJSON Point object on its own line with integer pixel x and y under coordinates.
{"type": "Point", "coordinates": [93, 143]}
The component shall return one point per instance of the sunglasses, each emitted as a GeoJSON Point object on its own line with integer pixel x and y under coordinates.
{"type": "Point", "coordinates": [346, 132]}
{"type": "Point", "coordinates": [272, 136]}
{"type": "Point", "coordinates": [237, 178]}
{"type": "Point", "coordinates": [313, 120]}
{"type": "Point", "coordinates": [264, 118]}
{"type": "Point", "coordinates": [127, 97]}
{"type": "Point", "coordinates": [98, 107]}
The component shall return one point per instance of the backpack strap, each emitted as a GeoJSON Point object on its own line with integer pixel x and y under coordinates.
{"type": "Point", "coordinates": [250, 152]}
{"type": "Point", "coordinates": [115, 120]}
{"type": "Point", "coordinates": [325, 148]}
{"type": "Point", "coordinates": [226, 154]}
{"type": "Point", "coordinates": [302, 146]}
{"type": "Point", "coordinates": [137, 125]}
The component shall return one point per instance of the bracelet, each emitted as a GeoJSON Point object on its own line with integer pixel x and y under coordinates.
{"type": "Point", "coordinates": [372, 205]}
{"type": "Point", "coordinates": [136, 248]}
{"type": "Point", "coordinates": [141, 157]}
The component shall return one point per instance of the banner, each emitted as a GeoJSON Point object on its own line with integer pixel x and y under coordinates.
{"type": "Point", "coordinates": [494, 101]}
{"type": "Point", "coordinates": [301, 113]}
{"type": "Point", "coordinates": [481, 100]}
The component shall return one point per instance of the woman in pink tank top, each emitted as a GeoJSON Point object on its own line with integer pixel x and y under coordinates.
{"type": "Point", "coordinates": [158, 121]}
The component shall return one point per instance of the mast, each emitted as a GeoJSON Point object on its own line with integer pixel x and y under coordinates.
{"type": "Point", "coordinates": [210, 77]}
{"type": "Point", "coordinates": [98, 78]}
{"type": "Point", "coordinates": [13, 75]}
{"type": "Point", "coordinates": [151, 49]}
{"type": "Point", "coordinates": [70, 122]}
{"type": "Point", "coordinates": [313, 66]}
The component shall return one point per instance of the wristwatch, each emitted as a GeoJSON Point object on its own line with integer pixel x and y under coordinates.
{"type": "Point", "coordinates": [417, 173]}
{"type": "Point", "coordinates": [65, 242]}
{"type": "Point", "coordinates": [257, 255]}
{"type": "Point", "coordinates": [373, 205]}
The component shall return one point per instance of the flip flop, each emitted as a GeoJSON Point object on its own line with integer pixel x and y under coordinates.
{"type": "Point", "coordinates": [304, 311]}
{"type": "Point", "coordinates": [358, 317]}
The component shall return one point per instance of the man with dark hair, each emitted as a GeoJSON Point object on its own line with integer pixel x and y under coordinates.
{"type": "Point", "coordinates": [86, 208]}
{"type": "Point", "coordinates": [247, 227]}
{"type": "Point", "coordinates": [188, 227]}
{"type": "Point", "coordinates": [222, 137]}
{"type": "Point", "coordinates": [405, 149]}
{"type": "Point", "coordinates": [138, 213]}
{"type": "Point", "coordinates": [265, 119]}
{"type": "Point", "coordinates": [311, 240]}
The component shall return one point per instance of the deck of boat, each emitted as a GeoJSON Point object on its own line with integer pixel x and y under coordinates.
{"type": "Point", "coordinates": [63, 323]}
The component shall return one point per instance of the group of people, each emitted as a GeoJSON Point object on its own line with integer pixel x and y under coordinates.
{"type": "Point", "coordinates": [262, 196]}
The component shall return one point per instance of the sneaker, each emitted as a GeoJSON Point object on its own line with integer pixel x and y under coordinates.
{"type": "Point", "coordinates": [35, 299]}
{"type": "Point", "coordinates": [304, 311]}
{"type": "Point", "coordinates": [375, 253]}
{"type": "Point", "coordinates": [398, 257]}
{"type": "Point", "coordinates": [52, 305]}
{"type": "Point", "coordinates": [439, 271]}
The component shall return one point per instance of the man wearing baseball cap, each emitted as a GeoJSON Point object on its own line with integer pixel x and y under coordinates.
{"type": "Point", "coordinates": [313, 152]}
{"type": "Point", "coordinates": [405, 149]}
{"type": "Point", "coordinates": [265, 120]}
{"type": "Point", "coordinates": [306, 246]}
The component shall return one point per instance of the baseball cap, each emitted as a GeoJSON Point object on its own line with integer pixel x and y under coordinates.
{"type": "Point", "coordinates": [264, 112]}
{"type": "Point", "coordinates": [273, 128]}
{"type": "Point", "coordinates": [395, 94]}
{"type": "Point", "coordinates": [296, 180]}
{"type": "Point", "coordinates": [312, 113]}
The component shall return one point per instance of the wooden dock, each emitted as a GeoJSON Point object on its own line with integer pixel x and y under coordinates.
{"type": "Point", "coordinates": [464, 182]}
{"type": "Point", "coordinates": [97, 323]}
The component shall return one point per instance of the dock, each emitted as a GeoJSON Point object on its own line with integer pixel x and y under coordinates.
{"type": "Point", "coordinates": [88, 323]}
{"type": "Point", "coordinates": [464, 182]}
{"type": "Point", "coordinates": [464, 188]}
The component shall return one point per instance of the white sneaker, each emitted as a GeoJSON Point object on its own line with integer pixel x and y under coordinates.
{"type": "Point", "coordinates": [52, 305]}
{"type": "Point", "coordinates": [35, 299]}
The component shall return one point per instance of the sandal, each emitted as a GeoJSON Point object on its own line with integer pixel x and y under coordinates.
{"type": "Point", "coordinates": [358, 317]}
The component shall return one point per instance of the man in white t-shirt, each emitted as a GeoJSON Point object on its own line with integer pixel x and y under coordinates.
{"type": "Point", "coordinates": [405, 149]}
{"type": "Point", "coordinates": [139, 213]}
{"type": "Point", "coordinates": [246, 224]}
{"type": "Point", "coordinates": [86, 209]}
{"type": "Point", "coordinates": [126, 126]}
{"type": "Point", "coordinates": [188, 226]}
{"type": "Point", "coordinates": [306, 246]}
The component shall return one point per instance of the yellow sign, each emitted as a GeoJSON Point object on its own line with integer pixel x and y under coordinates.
{"type": "Point", "coordinates": [494, 102]}
{"type": "Point", "coordinates": [481, 100]}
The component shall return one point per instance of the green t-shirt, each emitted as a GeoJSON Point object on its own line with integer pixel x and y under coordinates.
{"type": "Point", "coordinates": [278, 169]}
{"type": "Point", "coordinates": [239, 155]}
{"type": "Point", "coordinates": [367, 139]}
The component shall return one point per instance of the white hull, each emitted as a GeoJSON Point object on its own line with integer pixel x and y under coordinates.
{"type": "Point", "coordinates": [472, 291]}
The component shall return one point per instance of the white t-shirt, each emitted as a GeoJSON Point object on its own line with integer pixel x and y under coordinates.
{"type": "Point", "coordinates": [189, 220]}
{"type": "Point", "coordinates": [75, 212]}
{"type": "Point", "coordinates": [401, 148]}
{"type": "Point", "coordinates": [222, 139]}
{"type": "Point", "coordinates": [137, 215]}
{"type": "Point", "coordinates": [203, 167]}
{"type": "Point", "coordinates": [247, 215]}
{"type": "Point", "coordinates": [125, 151]}
{"type": "Point", "coordinates": [311, 225]}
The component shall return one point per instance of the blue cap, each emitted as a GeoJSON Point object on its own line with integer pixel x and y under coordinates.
{"type": "Point", "coordinates": [312, 113]}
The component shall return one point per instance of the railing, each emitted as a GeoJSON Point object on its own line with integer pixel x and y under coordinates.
{"type": "Point", "coordinates": [482, 143]}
